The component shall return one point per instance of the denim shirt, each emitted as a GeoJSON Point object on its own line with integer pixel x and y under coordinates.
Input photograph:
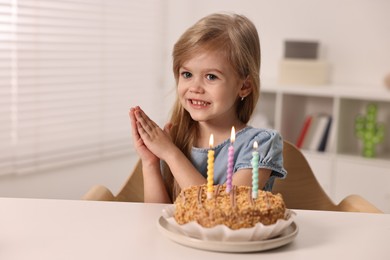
{"type": "Point", "coordinates": [270, 152]}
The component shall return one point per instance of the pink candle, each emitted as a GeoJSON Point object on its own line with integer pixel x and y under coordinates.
{"type": "Point", "coordinates": [230, 161]}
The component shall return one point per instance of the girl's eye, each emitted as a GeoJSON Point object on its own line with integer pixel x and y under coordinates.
{"type": "Point", "coordinates": [211, 77]}
{"type": "Point", "coordinates": [186, 74]}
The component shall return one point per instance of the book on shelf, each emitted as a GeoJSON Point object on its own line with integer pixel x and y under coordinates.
{"type": "Point", "coordinates": [314, 133]}
{"type": "Point", "coordinates": [305, 128]}
{"type": "Point", "coordinates": [310, 133]}
{"type": "Point", "coordinates": [325, 137]}
{"type": "Point", "coordinates": [319, 132]}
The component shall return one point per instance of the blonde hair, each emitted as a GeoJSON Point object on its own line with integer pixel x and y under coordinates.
{"type": "Point", "coordinates": [236, 36]}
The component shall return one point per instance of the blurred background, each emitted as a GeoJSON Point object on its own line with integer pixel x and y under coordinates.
{"type": "Point", "coordinates": [71, 69]}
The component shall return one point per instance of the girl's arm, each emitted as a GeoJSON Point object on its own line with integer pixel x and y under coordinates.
{"type": "Point", "coordinates": [182, 169]}
{"type": "Point", "coordinates": [154, 188]}
{"type": "Point", "coordinates": [160, 143]}
{"type": "Point", "coordinates": [244, 177]}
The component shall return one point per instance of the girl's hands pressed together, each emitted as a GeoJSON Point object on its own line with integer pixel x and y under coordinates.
{"type": "Point", "coordinates": [145, 154]}
{"type": "Point", "coordinates": [154, 188]}
{"type": "Point", "coordinates": [153, 142]}
{"type": "Point", "coordinates": [156, 140]}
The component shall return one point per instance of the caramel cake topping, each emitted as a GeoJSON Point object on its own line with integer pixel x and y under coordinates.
{"type": "Point", "coordinates": [235, 210]}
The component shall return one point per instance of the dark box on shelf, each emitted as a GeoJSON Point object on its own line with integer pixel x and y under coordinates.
{"type": "Point", "coordinates": [300, 49]}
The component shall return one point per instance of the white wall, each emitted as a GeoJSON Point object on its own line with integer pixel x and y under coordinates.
{"type": "Point", "coordinates": [69, 183]}
{"type": "Point", "coordinates": [354, 37]}
{"type": "Point", "coordinates": [353, 34]}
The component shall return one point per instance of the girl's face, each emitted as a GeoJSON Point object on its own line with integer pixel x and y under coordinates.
{"type": "Point", "coordinates": [208, 88]}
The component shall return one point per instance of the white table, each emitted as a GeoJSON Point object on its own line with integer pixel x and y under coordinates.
{"type": "Point", "coordinates": [61, 229]}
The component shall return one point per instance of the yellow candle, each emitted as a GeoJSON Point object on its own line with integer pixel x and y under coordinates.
{"type": "Point", "coordinates": [210, 169]}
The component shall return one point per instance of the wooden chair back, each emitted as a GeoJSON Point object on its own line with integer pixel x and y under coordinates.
{"type": "Point", "coordinates": [133, 189]}
{"type": "Point", "coordinates": [301, 190]}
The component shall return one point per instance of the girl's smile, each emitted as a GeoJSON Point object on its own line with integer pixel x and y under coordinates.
{"type": "Point", "coordinates": [198, 103]}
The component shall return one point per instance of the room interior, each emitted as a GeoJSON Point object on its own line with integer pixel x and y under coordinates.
{"type": "Point", "coordinates": [355, 50]}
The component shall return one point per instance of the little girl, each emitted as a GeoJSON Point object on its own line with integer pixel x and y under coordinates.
{"type": "Point", "coordinates": [216, 64]}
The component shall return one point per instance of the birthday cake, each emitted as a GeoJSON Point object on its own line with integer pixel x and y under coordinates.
{"type": "Point", "coordinates": [236, 209]}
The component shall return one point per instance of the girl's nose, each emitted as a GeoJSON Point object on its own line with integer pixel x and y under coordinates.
{"type": "Point", "coordinates": [197, 86]}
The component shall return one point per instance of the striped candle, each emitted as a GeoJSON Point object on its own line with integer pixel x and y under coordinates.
{"type": "Point", "coordinates": [210, 169]}
{"type": "Point", "coordinates": [255, 171]}
{"type": "Point", "coordinates": [230, 161]}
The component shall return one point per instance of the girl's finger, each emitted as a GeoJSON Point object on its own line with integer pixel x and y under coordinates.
{"type": "Point", "coordinates": [141, 129]}
{"type": "Point", "coordinates": [134, 129]}
{"type": "Point", "coordinates": [146, 122]}
{"type": "Point", "coordinates": [146, 118]}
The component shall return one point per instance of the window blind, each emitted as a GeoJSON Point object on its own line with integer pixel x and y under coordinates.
{"type": "Point", "coordinates": [69, 71]}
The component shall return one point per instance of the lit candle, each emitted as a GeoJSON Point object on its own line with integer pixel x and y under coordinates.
{"type": "Point", "coordinates": [230, 161]}
{"type": "Point", "coordinates": [210, 169]}
{"type": "Point", "coordinates": [255, 171]}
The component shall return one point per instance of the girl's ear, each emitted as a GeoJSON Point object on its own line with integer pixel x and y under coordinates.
{"type": "Point", "coordinates": [246, 88]}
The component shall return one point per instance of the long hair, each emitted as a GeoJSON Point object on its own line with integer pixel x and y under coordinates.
{"type": "Point", "coordinates": [236, 36]}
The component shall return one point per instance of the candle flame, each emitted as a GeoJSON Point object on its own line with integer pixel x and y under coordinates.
{"type": "Point", "coordinates": [255, 145]}
{"type": "Point", "coordinates": [233, 135]}
{"type": "Point", "coordinates": [211, 143]}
